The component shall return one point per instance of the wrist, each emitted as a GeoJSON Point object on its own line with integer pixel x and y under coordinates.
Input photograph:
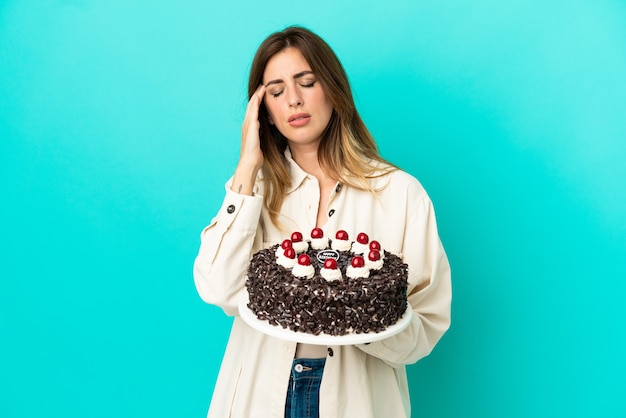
{"type": "Point", "coordinates": [244, 179]}
{"type": "Point", "coordinates": [249, 167]}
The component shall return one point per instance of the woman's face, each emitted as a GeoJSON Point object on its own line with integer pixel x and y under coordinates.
{"type": "Point", "coordinates": [295, 100]}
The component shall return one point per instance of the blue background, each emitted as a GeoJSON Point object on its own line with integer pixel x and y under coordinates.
{"type": "Point", "coordinates": [120, 122]}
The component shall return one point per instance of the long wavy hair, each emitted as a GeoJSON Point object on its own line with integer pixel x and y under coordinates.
{"type": "Point", "coordinates": [347, 151]}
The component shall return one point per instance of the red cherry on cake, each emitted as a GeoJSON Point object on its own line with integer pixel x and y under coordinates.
{"type": "Point", "coordinates": [304, 260]}
{"type": "Point", "coordinates": [317, 233]}
{"type": "Point", "coordinates": [357, 262]}
{"type": "Point", "coordinates": [362, 238]}
{"type": "Point", "coordinates": [341, 235]}
{"type": "Point", "coordinates": [330, 263]}
{"type": "Point", "coordinates": [375, 245]}
{"type": "Point", "coordinates": [290, 253]}
{"type": "Point", "coordinates": [374, 255]}
{"type": "Point", "coordinates": [296, 237]}
{"type": "Point", "coordinates": [286, 244]}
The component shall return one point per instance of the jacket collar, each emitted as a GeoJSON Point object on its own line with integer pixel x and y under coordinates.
{"type": "Point", "coordinates": [297, 174]}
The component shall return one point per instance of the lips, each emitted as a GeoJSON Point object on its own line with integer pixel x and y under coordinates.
{"type": "Point", "coordinates": [299, 119]}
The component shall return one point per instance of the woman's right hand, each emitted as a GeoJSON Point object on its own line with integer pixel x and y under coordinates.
{"type": "Point", "coordinates": [250, 157]}
{"type": "Point", "coordinates": [250, 143]}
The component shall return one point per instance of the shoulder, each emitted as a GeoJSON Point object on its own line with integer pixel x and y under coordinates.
{"type": "Point", "coordinates": [397, 182]}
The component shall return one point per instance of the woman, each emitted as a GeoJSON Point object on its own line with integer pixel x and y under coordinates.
{"type": "Point", "coordinates": [307, 160]}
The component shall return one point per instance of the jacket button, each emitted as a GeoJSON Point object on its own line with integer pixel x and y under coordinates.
{"type": "Point", "coordinates": [330, 351]}
{"type": "Point", "coordinates": [230, 209]}
{"type": "Point", "coordinates": [338, 188]}
{"type": "Point", "coordinates": [332, 211]}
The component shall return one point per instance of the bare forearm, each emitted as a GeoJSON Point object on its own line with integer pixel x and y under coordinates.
{"type": "Point", "coordinates": [243, 179]}
{"type": "Point", "coordinates": [251, 157]}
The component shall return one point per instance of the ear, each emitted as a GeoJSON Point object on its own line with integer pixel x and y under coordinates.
{"type": "Point", "coordinates": [271, 121]}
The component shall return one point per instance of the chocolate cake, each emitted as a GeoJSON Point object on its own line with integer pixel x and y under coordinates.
{"type": "Point", "coordinates": [335, 287]}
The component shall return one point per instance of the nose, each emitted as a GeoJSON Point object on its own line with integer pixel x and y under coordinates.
{"type": "Point", "coordinates": [294, 98]}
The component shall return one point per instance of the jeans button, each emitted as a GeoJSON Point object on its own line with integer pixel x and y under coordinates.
{"type": "Point", "coordinates": [298, 368]}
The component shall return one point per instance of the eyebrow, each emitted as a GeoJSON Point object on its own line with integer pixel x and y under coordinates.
{"type": "Point", "coordinates": [296, 76]}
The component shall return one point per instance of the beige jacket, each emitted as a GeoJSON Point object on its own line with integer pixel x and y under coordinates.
{"type": "Point", "coordinates": [366, 381]}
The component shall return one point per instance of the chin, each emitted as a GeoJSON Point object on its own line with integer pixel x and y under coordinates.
{"type": "Point", "coordinates": [300, 140]}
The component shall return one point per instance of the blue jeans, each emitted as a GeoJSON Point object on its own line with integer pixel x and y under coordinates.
{"type": "Point", "coordinates": [303, 395]}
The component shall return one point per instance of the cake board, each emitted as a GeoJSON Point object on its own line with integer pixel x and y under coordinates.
{"type": "Point", "coordinates": [277, 331]}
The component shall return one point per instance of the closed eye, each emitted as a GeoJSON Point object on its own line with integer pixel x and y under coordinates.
{"type": "Point", "coordinates": [306, 84]}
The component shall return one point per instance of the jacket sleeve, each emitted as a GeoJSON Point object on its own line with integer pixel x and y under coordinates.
{"type": "Point", "coordinates": [429, 292]}
{"type": "Point", "coordinates": [225, 249]}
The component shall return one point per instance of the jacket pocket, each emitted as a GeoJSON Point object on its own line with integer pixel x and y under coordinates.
{"type": "Point", "coordinates": [234, 393]}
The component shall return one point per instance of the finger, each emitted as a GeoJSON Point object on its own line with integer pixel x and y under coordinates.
{"type": "Point", "coordinates": [255, 102]}
{"type": "Point", "coordinates": [260, 91]}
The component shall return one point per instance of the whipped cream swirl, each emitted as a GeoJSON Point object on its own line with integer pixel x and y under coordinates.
{"type": "Point", "coordinates": [300, 246]}
{"type": "Point", "coordinates": [286, 262]}
{"type": "Point", "coordinates": [319, 243]}
{"type": "Point", "coordinates": [357, 272]}
{"type": "Point", "coordinates": [303, 271]}
{"type": "Point", "coordinates": [358, 248]}
{"type": "Point", "coordinates": [374, 265]}
{"type": "Point", "coordinates": [330, 274]}
{"type": "Point", "coordinates": [341, 245]}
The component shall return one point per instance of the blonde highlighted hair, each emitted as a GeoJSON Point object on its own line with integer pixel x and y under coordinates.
{"type": "Point", "coordinates": [347, 151]}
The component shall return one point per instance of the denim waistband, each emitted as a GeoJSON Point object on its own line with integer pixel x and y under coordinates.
{"type": "Point", "coordinates": [307, 368]}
